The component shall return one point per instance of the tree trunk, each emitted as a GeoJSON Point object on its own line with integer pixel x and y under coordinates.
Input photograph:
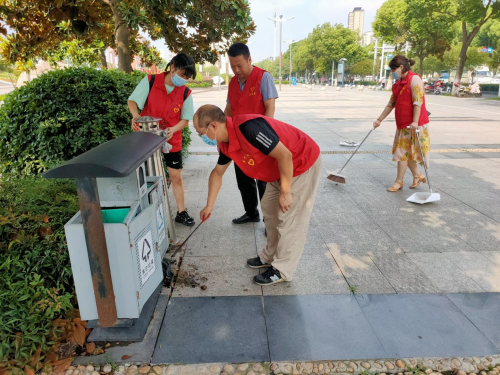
{"type": "Point", "coordinates": [421, 68]}
{"type": "Point", "coordinates": [102, 57]}
{"type": "Point", "coordinates": [122, 35]}
{"type": "Point", "coordinates": [462, 58]}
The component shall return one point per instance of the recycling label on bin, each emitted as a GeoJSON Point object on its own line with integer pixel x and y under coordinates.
{"type": "Point", "coordinates": [160, 221]}
{"type": "Point", "coordinates": [146, 257]}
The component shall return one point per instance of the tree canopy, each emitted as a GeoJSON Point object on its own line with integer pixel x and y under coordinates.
{"type": "Point", "coordinates": [193, 27]}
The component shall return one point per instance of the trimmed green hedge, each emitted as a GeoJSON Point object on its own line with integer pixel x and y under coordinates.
{"type": "Point", "coordinates": [491, 87]}
{"type": "Point", "coordinates": [62, 114]}
{"type": "Point", "coordinates": [199, 84]}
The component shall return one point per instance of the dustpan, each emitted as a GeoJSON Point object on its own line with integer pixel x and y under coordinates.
{"type": "Point", "coordinates": [422, 198]}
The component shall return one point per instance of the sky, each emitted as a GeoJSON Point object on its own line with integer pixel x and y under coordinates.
{"type": "Point", "coordinates": [308, 14]}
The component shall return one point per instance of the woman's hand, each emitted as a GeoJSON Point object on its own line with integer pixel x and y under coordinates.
{"type": "Point", "coordinates": [376, 123]}
{"type": "Point", "coordinates": [205, 213]}
{"type": "Point", "coordinates": [414, 126]}
{"type": "Point", "coordinates": [170, 133]}
{"type": "Point", "coordinates": [135, 127]}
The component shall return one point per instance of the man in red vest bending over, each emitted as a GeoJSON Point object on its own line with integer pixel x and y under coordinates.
{"type": "Point", "coordinates": [251, 91]}
{"type": "Point", "coordinates": [281, 155]}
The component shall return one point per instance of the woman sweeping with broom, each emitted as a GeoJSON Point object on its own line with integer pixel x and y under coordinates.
{"type": "Point", "coordinates": [411, 114]}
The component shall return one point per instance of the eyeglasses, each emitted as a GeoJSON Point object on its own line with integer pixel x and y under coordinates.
{"type": "Point", "coordinates": [207, 127]}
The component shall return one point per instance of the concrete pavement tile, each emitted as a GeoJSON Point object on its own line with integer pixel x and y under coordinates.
{"type": "Point", "coordinates": [365, 239]}
{"type": "Point", "coordinates": [316, 274]}
{"type": "Point", "coordinates": [444, 273]}
{"type": "Point", "coordinates": [362, 273]}
{"type": "Point", "coordinates": [463, 155]}
{"type": "Point", "coordinates": [223, 276]}
{"type": "Point", "coordinates": [472, 227]}
{"type": "Point", "coordinates": [423, 237]}
{"type": "Point", "coordinates": [482, 310]}
{"type": "Point", "coordinates": [403, 274]}
{"type": "Point", "coordinates": [302, 328]}
{"type": "Point", "coordinates": [427, 325]}
{"type": "Point", "coordinates": [479, 268]}
{"type": "Point", "coordinates": [211, 330]}
{"type": "Point", "coordinates": [218, 236]}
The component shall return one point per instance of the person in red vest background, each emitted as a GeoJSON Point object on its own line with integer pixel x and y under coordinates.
{"type": "Point", "coordinates": [409, 101]}
{"type": "Point", "coordinates": [251, 91]}
{"type": "Point", "coordinates": [281, 155]}
{"type": "Point", "coordinates": [166, 96]}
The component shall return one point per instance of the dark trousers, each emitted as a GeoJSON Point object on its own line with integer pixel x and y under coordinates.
{"type": "Point", "coordinates": [248, 190]}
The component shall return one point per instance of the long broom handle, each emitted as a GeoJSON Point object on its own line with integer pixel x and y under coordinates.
{"type": "Point", "coordinates": [423, 159]}
{"type": "Point", "coordinates": [357, 148]}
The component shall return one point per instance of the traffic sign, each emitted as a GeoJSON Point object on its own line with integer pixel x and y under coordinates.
{"type": "Point", "coordinates": [490, 49]}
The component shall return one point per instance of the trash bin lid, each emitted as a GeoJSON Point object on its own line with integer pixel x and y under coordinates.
{"type": "Point", "coordinates": [116, 158]}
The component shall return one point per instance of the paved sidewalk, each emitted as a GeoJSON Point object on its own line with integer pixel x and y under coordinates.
{"type": "Point", "coordinates": [426, 279]}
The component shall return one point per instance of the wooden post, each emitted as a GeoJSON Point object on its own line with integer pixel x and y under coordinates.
{"type": "Point", "coordinates": [93, 227]}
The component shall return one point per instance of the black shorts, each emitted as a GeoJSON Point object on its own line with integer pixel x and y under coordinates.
{"type": "Point", "coordinates": [174, 159]}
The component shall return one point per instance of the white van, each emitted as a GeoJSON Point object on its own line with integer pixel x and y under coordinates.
{"type": "Point", "coordinates": [483, 75]}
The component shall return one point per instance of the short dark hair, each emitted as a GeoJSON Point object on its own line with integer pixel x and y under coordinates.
{"type": "Point", "coordinates": [399, 60]}
{"type": "Point", "coordinates": [185, 64]}
{"type": "Point", "coordinates": [238, 49]}
{"type": "Point", "coordinates": [208, 113]}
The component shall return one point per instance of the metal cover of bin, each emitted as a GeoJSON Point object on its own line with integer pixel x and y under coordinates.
{"type": "Point", "coordinates": [116, 158]}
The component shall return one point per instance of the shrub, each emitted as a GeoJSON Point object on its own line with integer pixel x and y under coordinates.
{"type": "Point", "coordinates": [62, 114]}
{"type": "Point", "coordinates": [36, 284]}
{"type": "Point", "coordinates": [489, 87]}
{"type": "Point", "coordinates": [199, 84]}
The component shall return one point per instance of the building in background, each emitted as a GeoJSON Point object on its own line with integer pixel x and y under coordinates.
{"type": "Point", "coordinates": [357, 20]}
{"type": "Point", "coordinates": [368, 39]}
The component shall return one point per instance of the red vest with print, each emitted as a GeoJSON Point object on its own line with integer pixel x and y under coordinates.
{"type": "Point", "coordinates": [248, 101]}
{"type": "Point", "coordinates": [166, 106]}
{"type": "Point", "coordinates": [401, 91]}
{"type": "Point", "coordinates": [263, 167]}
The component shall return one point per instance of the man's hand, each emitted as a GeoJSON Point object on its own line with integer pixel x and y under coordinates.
{"type": "Point", "coordinates": [376, 123]}
{"type": "Point", "coordinates": [205, 213]}
{"type": "Point", "coordinates": [135, 127]}
{"type": "Point", "coordinates": [286, 201]}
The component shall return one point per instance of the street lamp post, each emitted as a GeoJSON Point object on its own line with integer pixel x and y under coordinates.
{"type": "Point", "coordinates": [290, 45]}
{"type": "Point", "coordinates": [281, 20]}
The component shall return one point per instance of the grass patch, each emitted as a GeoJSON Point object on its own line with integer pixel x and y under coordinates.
{"type": "Point", "coordinates": [493, 98]}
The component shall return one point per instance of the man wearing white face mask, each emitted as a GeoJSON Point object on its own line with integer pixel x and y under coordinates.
{"type": "Point", "coordinates": [165, 95]}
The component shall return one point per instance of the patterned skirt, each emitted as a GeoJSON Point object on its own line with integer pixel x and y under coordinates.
{"type": "Point", "coordinates": [406, 148]}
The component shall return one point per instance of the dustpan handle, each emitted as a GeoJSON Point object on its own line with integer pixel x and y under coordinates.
{"type": "Point", "coordinates": [423, 158]}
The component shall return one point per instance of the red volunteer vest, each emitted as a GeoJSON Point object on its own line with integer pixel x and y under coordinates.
{"type": "Point", "coordinates": [401, 92]}
{"type": "Point", "coordinates": [248, 101]}
{"type": "Point", "coordinates": [166, 106]}
{"type": "Point", "coordinates": [263, 167]}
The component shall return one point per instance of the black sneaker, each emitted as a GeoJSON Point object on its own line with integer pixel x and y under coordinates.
{"type": "Point", "coordinates": [271, 276]}
{"type": "Point", "coordinates": [257, 263]}
{"type": "Point", "coordinates": [246, 219]}
{"type": "Point", "coordinates": [184, 218]}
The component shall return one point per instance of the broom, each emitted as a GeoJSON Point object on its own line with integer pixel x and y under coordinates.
{"type": "Point", "coordinates": [338, 178]}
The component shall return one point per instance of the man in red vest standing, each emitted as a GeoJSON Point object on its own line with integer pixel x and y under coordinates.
{"type": "Point", "coordinates": [251, 91]}
{"type": "Point", "coordinates": [281, 155]}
